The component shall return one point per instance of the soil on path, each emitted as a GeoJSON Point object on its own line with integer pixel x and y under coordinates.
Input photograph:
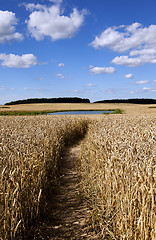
{"type": "Point", "coordinates": [68, 218]}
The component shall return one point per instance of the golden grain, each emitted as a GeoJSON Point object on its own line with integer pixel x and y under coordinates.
{"type": "Point", "coordinates": [30, 149]}
{"type": "Point", "coordinates": [118, 159]}
{"type": "Point", "coordinates": [119, 174]}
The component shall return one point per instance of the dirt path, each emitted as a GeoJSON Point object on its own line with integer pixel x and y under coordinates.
{"type": "Point", "coordinates": [69, 215]}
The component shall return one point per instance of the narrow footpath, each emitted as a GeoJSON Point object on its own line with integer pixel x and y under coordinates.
{"type": "Point", "coordinates": [70, 214]}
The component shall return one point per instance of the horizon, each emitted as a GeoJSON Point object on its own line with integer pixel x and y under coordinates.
{"type": "Point", "coordinates": [96, 101]}
{"type": "Point", "coordinates": [60, 48]}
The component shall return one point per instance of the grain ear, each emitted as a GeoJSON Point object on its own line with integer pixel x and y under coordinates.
{"type": "Point", "coordinates": [30, 153]}
{"type": "Point", "coordinates": [118, 164]}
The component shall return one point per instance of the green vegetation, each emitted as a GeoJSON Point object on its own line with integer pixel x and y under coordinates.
{"type": "Point", "coordinates": [22, 113]}
{"type": "Point", "coordinates": [34, 113]}
{"type": "Point", "coordinates": [4, 107]}
{"type": "Point", "coordinates": [152, 107]}
{"type": "Point", "coordinates": [116, 111]}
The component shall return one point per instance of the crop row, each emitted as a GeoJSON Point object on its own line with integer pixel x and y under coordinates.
{"type": "Point", "coordinates": [118, 160]}
{"type": "Point", "coordinates": [30, 153]}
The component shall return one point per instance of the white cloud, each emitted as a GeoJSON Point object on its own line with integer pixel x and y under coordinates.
{"type": "Point", "coordinates": [139, 40]}
{"type": "Point", "coordinates": [125, 60]}
{"type": "Point", "coordinates": [133, 28]}
{"type": "Point", "coordinates": [146, 89]}
{"type": "Point", "coordinates": [31, 7]}
{"type": "Point", "coordinates": [134, 36]}
{"type": "Point", "coordinates": [145, 51]}
{"type": "Point", "coordinates": [50, 22]}
{"type": "Point", "coordinates": [8, 21]}
{"type": "Point", "coordinates": [142, 57]}
{"type": "Point", "coordinates": [90, 85]}
{"type": "Point", "coordinates": [60, 75]}
{"type": "Point", "coordinates": [56, 1]}
{"type": "Point", "coordinates": [102, 70]}
{"type": "Point", "coordinates": [129, 76]}
{"type": "Point", "coordinates": [145, 55]}
{"type": "Point", "coordinates": [60, 65]}
{"type": "Point", "coordinates": [75, 90]}
{"type": "Point", "coordinates": [154, 80]}
{"type": "Point", "coordinates": [142, 82]}
{"type": "Point", "coordinates": [16, 61]}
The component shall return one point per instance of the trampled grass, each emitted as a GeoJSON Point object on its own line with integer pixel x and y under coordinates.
{"type": "Point", "coordinates": [119, 176]}
{"type": "Point", "coordinates": [30, 153]}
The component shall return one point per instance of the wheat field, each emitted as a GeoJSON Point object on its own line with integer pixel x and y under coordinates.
{"type": "Point", "coordinates": [118, 168]}
{"type": "Point", "coordinates": [30, 153]}
{"type": "Point", "coordinates": [118, 158]}
{"type": "Point", "coordinates": [135, 109]}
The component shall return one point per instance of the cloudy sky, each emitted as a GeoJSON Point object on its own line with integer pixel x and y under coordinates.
{"type": "Point", "coordinates": [96, 49]}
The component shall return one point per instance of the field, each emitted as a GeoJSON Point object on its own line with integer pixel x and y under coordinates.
{"type": "Point", "coordinates": [117, 162]}
{"type": "Point", "coordinates": [118, 158]}
{"type": "Point", "coordinates": [126, 108]}
{"type": "Point", "coordinates": [30, 153]}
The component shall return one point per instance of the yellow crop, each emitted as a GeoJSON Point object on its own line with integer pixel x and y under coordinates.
{"type": "Point", "coordinates": [119, 172]}
{"type": "Point", "coordinates": [30, 152]}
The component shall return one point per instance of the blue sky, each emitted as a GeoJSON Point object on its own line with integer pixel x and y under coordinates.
{"type": "Point", "coordinates": [101, 49]}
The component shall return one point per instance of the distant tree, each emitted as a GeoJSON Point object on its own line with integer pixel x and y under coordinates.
{"type": "Point", "coordinates": [50, 100]}
{"type": "Point", "coordinates": [133, 100]}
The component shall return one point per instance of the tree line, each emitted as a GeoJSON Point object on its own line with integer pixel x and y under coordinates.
{"type": "Point", "coordinates": [49, 100]}
{"type": "Point", "coordinates": [81, 100]}
{"type": "Point", "coordinates": [132, 100]}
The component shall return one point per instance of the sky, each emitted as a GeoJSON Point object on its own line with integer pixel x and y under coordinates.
{"type": "Point", "coordinates": [96, 49]}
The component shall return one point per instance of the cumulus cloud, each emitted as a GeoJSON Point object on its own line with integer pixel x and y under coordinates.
{"type": "Point", "coordinates": [139, 40]}
{"type": "Point", "coordinates": [50, 22]}
{"type": "Point", "coordinates": [133, 36]}
{"type": "Point", "coordinates": [16, 61]}
{"type": "Point", "coordinates": [127, 61]}
{"type": "Point", "coordinates": [142, 82]}
{"type": "Point", "coordinates": [140, 59]}
{"type": "Point", "coordinates": [154, 80]}
{"type": "Point", "coordinates": [8, 21]}
{"type": "Point", "coordinates": [129, 76]}
{"type": "Point", "coordinates": [31, 7]}
{"type": "Point", "coordinates": [60, 65]}
{"type": "Point", "coordinates": [102, 70]}
{"type": "Point", "coordinates": [142, 52]}
{"type": "Point", "coordinates": [60, 75]}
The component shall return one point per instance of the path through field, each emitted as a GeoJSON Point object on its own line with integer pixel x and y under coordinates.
{"type": "Point", "coordinates": [68, 220]}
